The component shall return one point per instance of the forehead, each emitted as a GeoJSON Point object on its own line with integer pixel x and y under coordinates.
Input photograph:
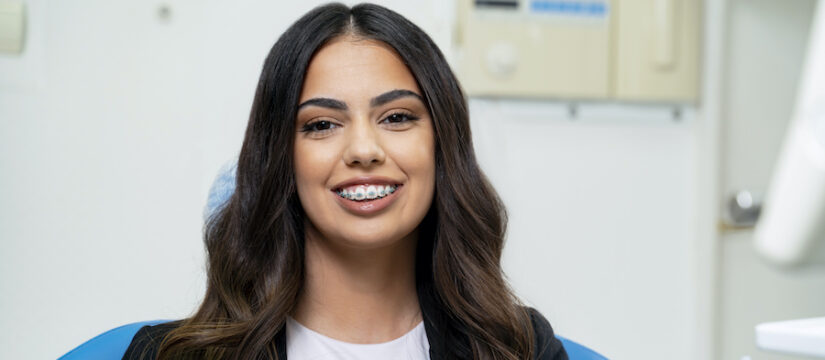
{"type": "Point", "coordinates": [355, 70]}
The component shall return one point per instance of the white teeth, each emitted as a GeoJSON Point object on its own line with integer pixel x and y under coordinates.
{"type": "Point", "coordinates": [372, 192]}
{"type": "Point", "coordinates": [366, 192]}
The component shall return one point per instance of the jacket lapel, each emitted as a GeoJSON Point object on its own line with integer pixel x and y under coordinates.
{"type": "Point", "coordinates": [432, 320]}
{"type": "Point", "coordinates": [280, 343]}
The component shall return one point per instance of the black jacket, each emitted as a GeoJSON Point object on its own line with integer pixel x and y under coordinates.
{"type": "Point", "coordinates": [145, 344]}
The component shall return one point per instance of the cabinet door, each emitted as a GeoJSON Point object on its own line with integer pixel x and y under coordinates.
{"type": "Point", "coordinates": [656, 50]}
{"type": "Point", "coordinates": [536, 49]}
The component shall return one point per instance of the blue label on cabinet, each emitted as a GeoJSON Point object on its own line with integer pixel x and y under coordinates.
{"type": "Point", "coordinates": [570, 8]}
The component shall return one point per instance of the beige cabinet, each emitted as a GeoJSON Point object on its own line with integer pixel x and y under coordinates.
{"type": "Point", "coordinates": [656, 53]}
{"type": "Point", "coordinates": [640, 50]}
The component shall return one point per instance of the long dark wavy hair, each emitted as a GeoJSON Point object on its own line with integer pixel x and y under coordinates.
{"type": "Point", "coordinates": [255, 243]}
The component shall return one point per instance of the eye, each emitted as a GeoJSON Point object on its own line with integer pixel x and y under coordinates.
{"type": "Point", "coordinates": [319, 126]}
{"type": "Point", "coordinates": [399, 119]}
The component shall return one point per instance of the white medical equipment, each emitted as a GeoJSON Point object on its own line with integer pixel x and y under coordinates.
{"type": "Point", "coordinates": [791, 228]}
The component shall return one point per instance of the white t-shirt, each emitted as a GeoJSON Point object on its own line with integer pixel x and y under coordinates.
{"type": "Point", "coordinates": [305, 344]}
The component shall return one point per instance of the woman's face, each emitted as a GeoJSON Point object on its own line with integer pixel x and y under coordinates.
{"type": "Point", "coordinates": [364, 145]}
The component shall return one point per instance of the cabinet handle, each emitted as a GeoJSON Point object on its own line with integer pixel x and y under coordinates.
{"type": "Point", "coordinates": [664, 33]}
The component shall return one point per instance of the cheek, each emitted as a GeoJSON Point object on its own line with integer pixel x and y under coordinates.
{"type": "Point", "coordinates": [416, 157]}
{"type": "Point", "coordinates": [313, 164]}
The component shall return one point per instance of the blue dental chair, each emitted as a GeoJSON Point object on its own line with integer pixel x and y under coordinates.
{"type": "Point", "coordinates": [112, 344]}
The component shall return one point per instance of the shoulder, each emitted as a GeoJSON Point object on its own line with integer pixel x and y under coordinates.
{"type": "Point", "coordinates": [547, 347]}
{"type": "Point", "coordinates": [147, 340]}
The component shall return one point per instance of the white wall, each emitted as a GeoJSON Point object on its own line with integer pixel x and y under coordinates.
{"type": "Point", "coordinates": [601, 212]}
{"type": "Point", "coordinates": [113, 123]}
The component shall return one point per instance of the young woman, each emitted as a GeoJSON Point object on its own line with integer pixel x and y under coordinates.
{"type": "Point", "coordinates": [361, 226]}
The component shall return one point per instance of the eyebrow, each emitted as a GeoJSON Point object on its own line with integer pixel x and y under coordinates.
{"type": "Point", "coordinates": [324, 102]}
{"type": "Point", "coordinates": [374, 102]}
{"type": "Point", "coordinates": [393, 95]}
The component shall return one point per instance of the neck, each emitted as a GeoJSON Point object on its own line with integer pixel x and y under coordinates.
{"type": "Point", "coordinates": [358, 295]}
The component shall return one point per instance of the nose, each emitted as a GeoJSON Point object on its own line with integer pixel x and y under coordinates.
{"type": "Point", "coordinates": [363, 147]}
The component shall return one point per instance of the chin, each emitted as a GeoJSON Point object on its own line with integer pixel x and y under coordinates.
{"type": "Point", "coordinates": [367, 239]}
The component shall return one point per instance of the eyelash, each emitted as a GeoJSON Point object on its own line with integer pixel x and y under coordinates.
{"type": "Point", "coordinates": [407, 116]}
{"type": "Point", "coordinates": [311, 127]}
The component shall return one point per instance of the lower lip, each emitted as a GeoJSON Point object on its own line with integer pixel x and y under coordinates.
{"type": "Point", "coordinates": [368, 207]}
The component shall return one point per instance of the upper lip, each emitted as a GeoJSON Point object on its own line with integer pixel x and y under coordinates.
{"type": "Point", "coordinates": [366, 180]}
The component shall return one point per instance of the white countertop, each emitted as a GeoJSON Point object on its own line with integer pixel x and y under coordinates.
{"type": "Point", "coordinates": [801, 337]}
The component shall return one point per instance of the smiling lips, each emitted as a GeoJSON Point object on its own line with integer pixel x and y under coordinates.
{"type": "Point", "coordinates": [366, 192]}
{"type": "Point", "coordinates": [366, 195]}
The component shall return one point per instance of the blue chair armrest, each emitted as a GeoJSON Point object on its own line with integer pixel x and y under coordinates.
{"type": "Point", "coordinates": [576, 351]}
{"type": "Point", "coordinates": [108, 345]}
